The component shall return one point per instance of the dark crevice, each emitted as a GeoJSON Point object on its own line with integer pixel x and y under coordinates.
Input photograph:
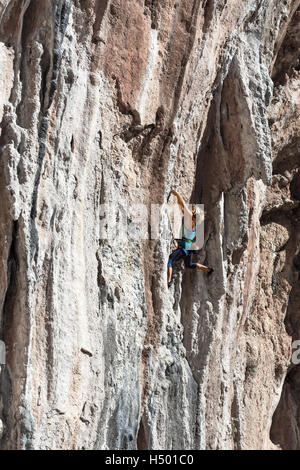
{"type": "Point", "coordinates": [18, 423]}
{"type": "Point", "coordinates": [274, 214]}
{"type": "Point", "coordinates": [5, 394]}
{"type": "Point", "coordinates": [142, 437]}
{"type": "Point", "coordinates": [125, 108]}
{"type": "Point", "coordinates": [72, 144]}
{"type": "Point", "coordinates": [6, 327]}
{"type": "Point", "coordinates": [12, 268]}
{"type": "Point", "coordinates": [134, 131]}
{"type": "Point", "coordinates": [45, 65]}
{"type": "Point", "coordinates": [154, 8]}
{"type": "Point", "coordinates": [285, 430]}
{"type": "Point", "coordinates": [48, 264]}
{"type": "Point", "coordinates": [212, 8]}
{"type": "Point", "coordinates": [288, 158]}
{"type": "Point", "coordinates": [10, 22]}
{"type": "Point", "coordinates": [295, 186]}
{"type": "Point", "coordinates": [100, 139]}
{"type": "Point", "coordinates": [209, 8]}
{"type": "Point", "coordinates": [101, 7]}
{"type": "Point", "coordinates": [288, 58]}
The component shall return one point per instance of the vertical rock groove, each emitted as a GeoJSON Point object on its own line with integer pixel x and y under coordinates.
{"type": "Point", "coordinates": [106, 105]}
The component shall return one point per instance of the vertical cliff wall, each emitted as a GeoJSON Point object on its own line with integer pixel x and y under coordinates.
{"type": "Point", "coordinates": [117, 101]}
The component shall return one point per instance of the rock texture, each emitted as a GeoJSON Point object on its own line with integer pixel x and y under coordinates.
{"type": "Point", "coordinates": [113, 101]}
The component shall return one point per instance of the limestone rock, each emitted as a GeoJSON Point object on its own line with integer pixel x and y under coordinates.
{"type": "Point", "coordinates": [106, 104]}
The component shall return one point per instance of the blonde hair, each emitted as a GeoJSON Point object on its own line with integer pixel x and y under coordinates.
{"type": "Point", "coordinates": [199, 213]}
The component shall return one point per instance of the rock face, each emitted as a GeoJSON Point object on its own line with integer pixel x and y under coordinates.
{"type": "Point", "coordinates": [112, 102]}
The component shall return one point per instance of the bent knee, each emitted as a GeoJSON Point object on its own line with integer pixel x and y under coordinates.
{"type": "Point", "coordinates": [192, 265]}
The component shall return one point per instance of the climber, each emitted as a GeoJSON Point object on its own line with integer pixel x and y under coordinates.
{"type": "Point", "coordinates": [185, 251]}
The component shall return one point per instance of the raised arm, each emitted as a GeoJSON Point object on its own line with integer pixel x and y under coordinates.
{"type": "Point", "coordinates": [184, 208]}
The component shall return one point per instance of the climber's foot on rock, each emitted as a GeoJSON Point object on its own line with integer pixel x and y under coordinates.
{"type": "Point", "coordinates": [211, 270]}
{"type": "Point", "coordinates": [169, 284]}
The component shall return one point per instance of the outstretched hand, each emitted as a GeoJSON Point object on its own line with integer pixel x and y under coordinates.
{"type": "Point", "coordinates": [170, 193]}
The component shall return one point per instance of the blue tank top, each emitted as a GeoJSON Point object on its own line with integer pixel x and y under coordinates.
{"type": "Point", "coordinates": [187, 239]}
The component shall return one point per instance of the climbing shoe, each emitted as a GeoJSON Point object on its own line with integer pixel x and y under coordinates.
{"type": "Point", "coordinates": [211, 270]}
{"type": "Point", "coordinates": [169, 284]}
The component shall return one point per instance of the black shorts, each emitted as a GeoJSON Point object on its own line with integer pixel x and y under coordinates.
{"type": "Point", "coordinates": [180, 254]}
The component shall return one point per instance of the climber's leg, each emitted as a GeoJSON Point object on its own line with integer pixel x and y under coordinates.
{"type": "Point", "coordinates": [199, 267]}
{"type": "Point", "coordinates": [188, 261]}
{"type": "Point", "coordinates": [170, 270]}
{"type": "Point", "coordinates": [175, 256]}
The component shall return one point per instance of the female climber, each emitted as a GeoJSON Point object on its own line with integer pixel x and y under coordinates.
{"type": "Point", "coordinates": [185, 251]}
